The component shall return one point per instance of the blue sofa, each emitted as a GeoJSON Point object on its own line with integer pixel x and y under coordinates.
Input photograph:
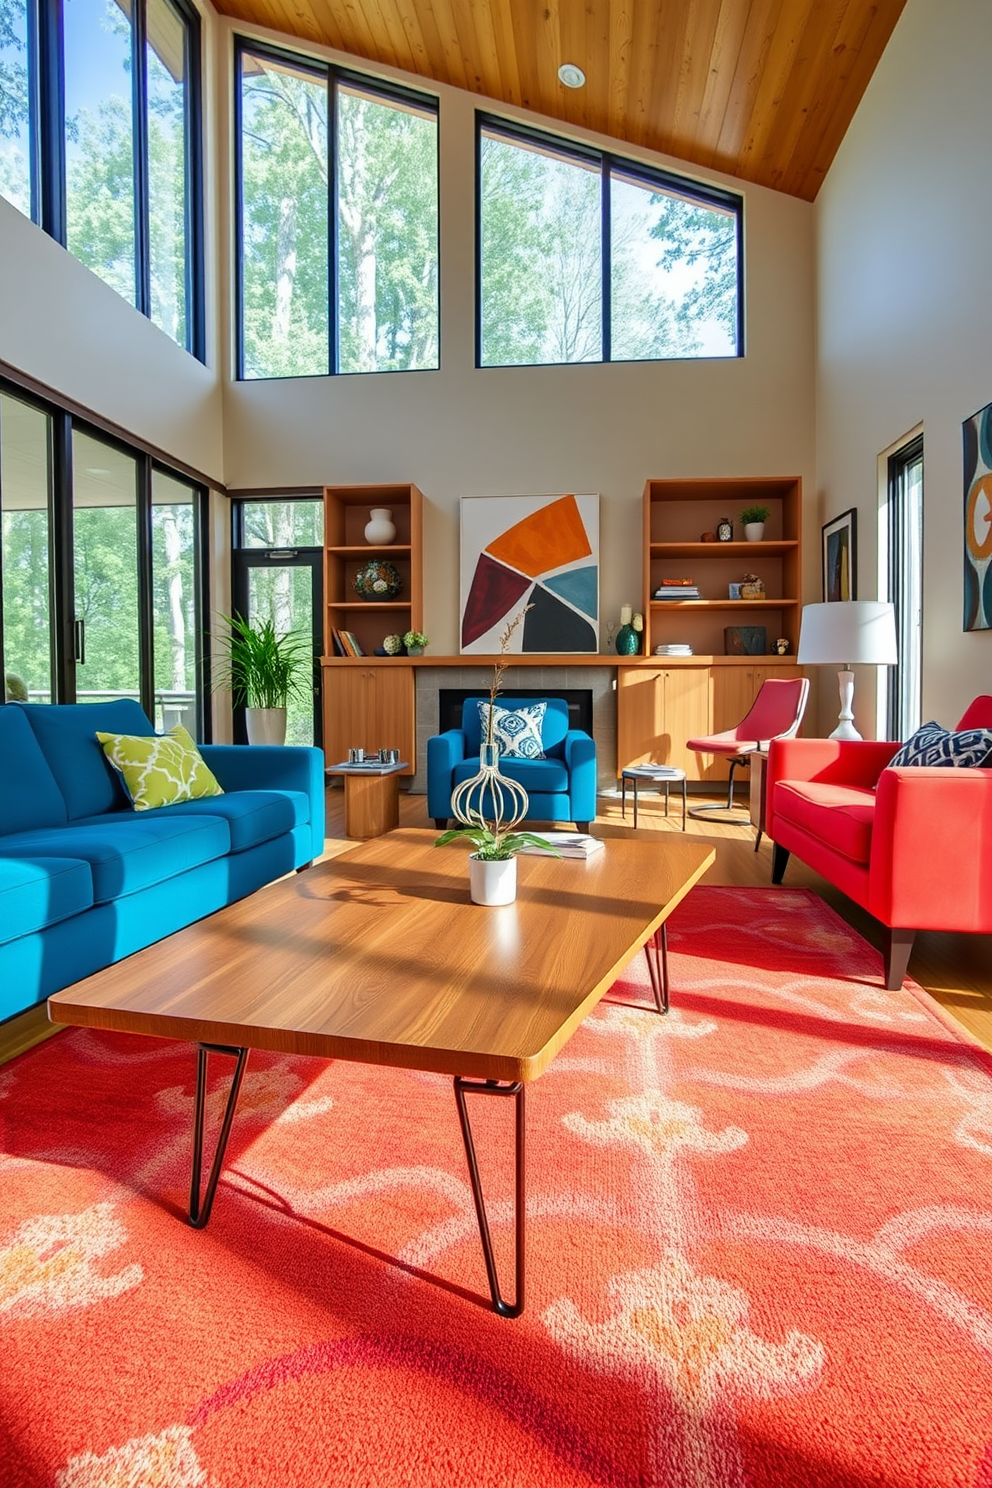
{"type": "Point", "coordinates": [85, 880]}
{"type": "Point", "coordinates": [561, 787]}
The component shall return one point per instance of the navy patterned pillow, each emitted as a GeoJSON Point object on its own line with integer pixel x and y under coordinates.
{"type": "Point", "coordinates": [517, 731]}
{"type": "Point", "coordinates": [933, 745]}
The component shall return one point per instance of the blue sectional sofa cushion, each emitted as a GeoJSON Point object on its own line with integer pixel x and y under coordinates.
{"type": "Point", "coordinates": [252, 816]}
{"type": "Point", "coordinates": [36, 892]}
{"type": "Point", "coordinates": [29, 796]}
{"type": "Point", "coordinates": [130, 854]}
{"type": "Point", "coordinates": [67, 734]}
{"type": "Point", "coordinates": [85, 880]}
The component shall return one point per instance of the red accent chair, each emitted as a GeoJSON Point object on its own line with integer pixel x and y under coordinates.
{"type": "Point", "coordinates": [776, 713]}
{"type": "Point", "coordinates": [912, 846]}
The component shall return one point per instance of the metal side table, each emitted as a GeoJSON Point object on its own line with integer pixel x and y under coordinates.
{"type": "Point", "coordinates": [659, 776]}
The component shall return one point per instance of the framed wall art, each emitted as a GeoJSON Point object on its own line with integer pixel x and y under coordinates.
{"type": "Point", "coordinates": [839, 540]}
{"type": "Point", "coordinates": [541, 551]}
{"type": "Point", "coordinates": [977, 433]}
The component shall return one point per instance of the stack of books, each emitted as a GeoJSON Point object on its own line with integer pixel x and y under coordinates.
{"type": "Point", "coordinates": [673, 648]}
{"type": "Point", "coordinates": [346, 643]}
{"type": "Point", "coordinates": [677, 589]}
{"type": "Point", "coordinates": [655, 772]}
{"type": "Point", "coordinates": [569, 845]}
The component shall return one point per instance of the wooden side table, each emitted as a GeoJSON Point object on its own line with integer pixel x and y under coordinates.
{"type": "Point", "coordinates": [756, 800]}
{"type": "Point", "coordinates": [371, 798]}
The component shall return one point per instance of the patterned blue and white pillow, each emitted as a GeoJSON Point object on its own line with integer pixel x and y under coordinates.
{"type": "Point", "coordinates": [517, 731]}
{"type": "Point", "coordinates": [933, 745]}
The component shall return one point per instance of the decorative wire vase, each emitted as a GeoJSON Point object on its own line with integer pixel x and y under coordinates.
{"type": "Point", "coordinates": [489, 799]}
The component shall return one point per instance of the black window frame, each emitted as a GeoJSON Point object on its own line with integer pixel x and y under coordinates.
{"type": "Point", "coordinates": [333, 76]}
{"type": "Point", "coordinates": [898, 706]}
{"type": "Point", "coordinates": [46, 64]}
{"type": "Point", "coordinates": [62, 590]}
{"type": "Point", "coordinates": [609, 164]}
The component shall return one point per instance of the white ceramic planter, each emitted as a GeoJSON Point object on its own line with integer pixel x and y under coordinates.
{"type": "Point", "coordinates": [492, 883]}
{"type": "Point", "coordinates": [379, 529]}
{"type": "Point", "coordinates": [754, 531]}
{"type": "Point", "coordinates": [266, 725]}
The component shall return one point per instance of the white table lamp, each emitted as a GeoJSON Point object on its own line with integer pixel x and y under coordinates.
{"type": "Point", "coordinates": [847, 632]}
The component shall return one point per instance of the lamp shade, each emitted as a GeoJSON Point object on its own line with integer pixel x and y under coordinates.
{"type": "Point", "coordinates": [848, 631]}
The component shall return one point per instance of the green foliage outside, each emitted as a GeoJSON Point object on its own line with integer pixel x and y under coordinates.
{"type": "Point", "coordinates": [386, 228]}
{"type": "Point", "coordinates": [673, 265]}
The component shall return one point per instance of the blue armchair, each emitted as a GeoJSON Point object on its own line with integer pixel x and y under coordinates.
{"type": "Point", "coordinates": [561, 787]}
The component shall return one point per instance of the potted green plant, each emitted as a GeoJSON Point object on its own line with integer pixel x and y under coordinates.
{"type": "Point", "coordinates": [415, 641]}
{"type": "Point", "coordinates": [263, 669]}
{"type": "Point", "coordinates": [753, 519]}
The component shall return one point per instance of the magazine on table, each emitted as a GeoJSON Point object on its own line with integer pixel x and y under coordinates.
{"type": "Point", "coordinates": [568, 844]}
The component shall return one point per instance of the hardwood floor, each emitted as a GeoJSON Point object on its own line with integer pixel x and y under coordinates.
{"type": "Point", "coordinates": [956, 969]}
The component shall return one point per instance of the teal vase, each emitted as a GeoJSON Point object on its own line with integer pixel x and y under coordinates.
{"type": "Point", "coordinates": [628, 641]}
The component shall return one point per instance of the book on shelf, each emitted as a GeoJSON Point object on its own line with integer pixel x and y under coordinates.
{"type": "Point", "coordinates": [680, 591]}
{"type": "Point", "coordinates": [673, 648]}
{"type": "Point", "coordinates": [337, 643]}
{"type": "Point", "coordinates": [351, 644]}
{"type": "Point", "coordinates": [677, 584]}
{"type": "Point", "coordinates": [569, 845]}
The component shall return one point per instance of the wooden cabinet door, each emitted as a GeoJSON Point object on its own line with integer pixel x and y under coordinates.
{"type": "Point", "coordinates": [688, 714]}
{"type": "Point", "coordinates": [369, 708]}
{"type": "Point", "coordinates": [640, 717]}
{"type": "Point", "coordinates": [346, 716]}
{"type": "Point", "coordinates": [390, 715]}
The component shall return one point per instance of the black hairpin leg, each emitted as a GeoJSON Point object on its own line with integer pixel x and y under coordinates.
{"type": "Point", "coordinates": [199, 1209]}
{"type": "Point", "coordinates": [465, 1087]}
{"type": "Point", "coordinates": [656, 955]}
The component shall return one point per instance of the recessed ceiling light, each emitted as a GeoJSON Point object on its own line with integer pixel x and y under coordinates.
{"type": "Point", "coordinates": [571, 76]}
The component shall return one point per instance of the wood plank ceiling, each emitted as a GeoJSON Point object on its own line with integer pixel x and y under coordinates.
{"type": "Point", "coordinates": [761, 89]}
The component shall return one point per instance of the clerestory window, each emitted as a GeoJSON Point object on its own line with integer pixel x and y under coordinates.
{"type": "Point", "coordinates": [100, 144]}
{"type": "Point", "coordinates": [585, 257]}
{"type": "Point", "coordinates": [337, 192]}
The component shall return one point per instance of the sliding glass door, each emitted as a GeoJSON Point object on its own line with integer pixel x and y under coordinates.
{"type": "Point", "coordinates": [105, 567]}
{"type": "Point", "coordinates": [26, 556]}
{"type": "Point", "coordinates": [102, 592]}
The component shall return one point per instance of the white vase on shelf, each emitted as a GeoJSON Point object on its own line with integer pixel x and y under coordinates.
{"type": "Point", "coordinates": [754, 531]}
{"type": "Point", "coordinates": [379, 529]}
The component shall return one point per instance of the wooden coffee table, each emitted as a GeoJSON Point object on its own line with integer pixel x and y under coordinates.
{"type": "Point", "coordinates": [379, 957]}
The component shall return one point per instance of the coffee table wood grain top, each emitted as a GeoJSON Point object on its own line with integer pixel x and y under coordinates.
{"type": "Point", "coordinates": [378, 956]}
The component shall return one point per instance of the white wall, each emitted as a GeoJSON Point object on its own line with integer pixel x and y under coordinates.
{"type": "Point", "coordinates": [904, 235]}
{"type": "Point", "coordinates": [61, 324]}
{"type": "Point", "coordinates": [463, 431]}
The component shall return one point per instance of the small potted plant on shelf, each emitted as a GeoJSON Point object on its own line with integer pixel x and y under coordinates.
{"type": "Point", "coordinates": [753, 519]}
{"type": "Point", "coordinates": [415, 641]}
{"type": "Point", "coordinates": [263, 669]}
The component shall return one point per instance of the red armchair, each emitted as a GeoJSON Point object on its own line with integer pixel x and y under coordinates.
{"type": "Point", "coordinates": [912, 846]}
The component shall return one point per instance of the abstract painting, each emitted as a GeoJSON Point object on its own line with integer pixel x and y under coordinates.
{"type": "Point", "coordinates": [541, 551]}
{"type": "Point", "coordinates": [840, 556]}
{"type": "Point", "coordinates": [977, 433]}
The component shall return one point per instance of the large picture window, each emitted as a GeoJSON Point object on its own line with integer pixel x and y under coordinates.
{"type": "Point", "coordinates": [102, 147]}
{"type": "Point", "coordinates": [584, 257]}
{"type": "Point", "coordinates": [103, 592]}
{"type": "Point", "coordinates": [338, 235]}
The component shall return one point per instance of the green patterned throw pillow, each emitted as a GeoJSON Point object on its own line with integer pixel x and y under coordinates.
{"type": "Point", "coordinates": [160, 769]}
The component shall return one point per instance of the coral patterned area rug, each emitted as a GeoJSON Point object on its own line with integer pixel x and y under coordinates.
{"type": "Point", "coordinates": [760, 1250]}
